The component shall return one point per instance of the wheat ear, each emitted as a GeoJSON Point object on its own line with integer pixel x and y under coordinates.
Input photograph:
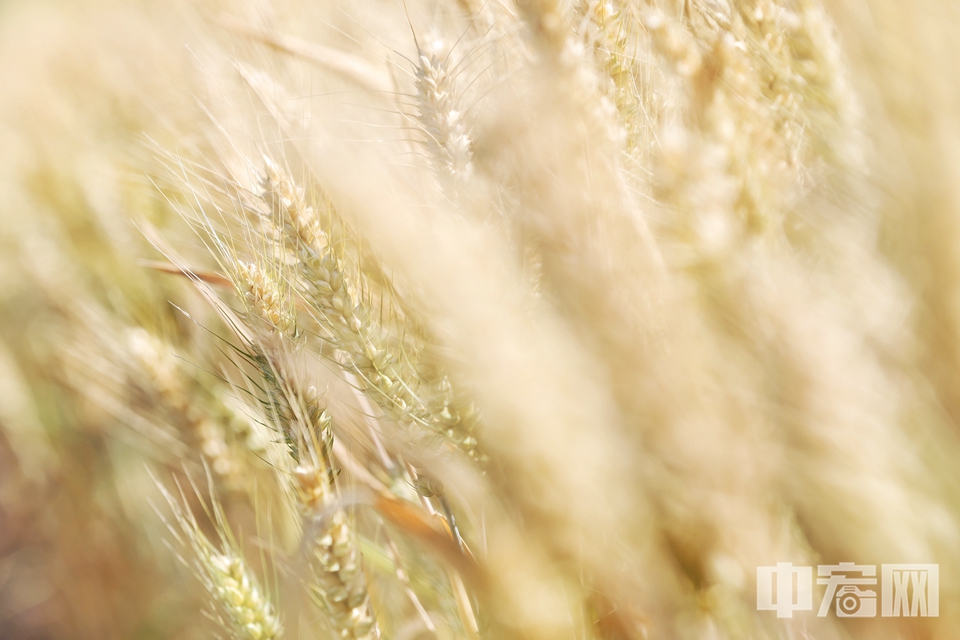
{"type": "Point", "coordinates": [441, 118]}
{"type": "Point", "coordinates": [337, 582]}
{"type": "Point", "coordinates": [239, 604]}
{"type": "Point", "coordinates": [368, 349]}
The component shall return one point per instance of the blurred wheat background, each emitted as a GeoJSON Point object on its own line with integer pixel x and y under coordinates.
{"type": "Point", "coordinates": [531, 319]}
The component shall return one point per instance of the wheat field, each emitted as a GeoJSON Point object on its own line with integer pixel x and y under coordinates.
{"type": "Point", "coordinates": [535, 319]}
